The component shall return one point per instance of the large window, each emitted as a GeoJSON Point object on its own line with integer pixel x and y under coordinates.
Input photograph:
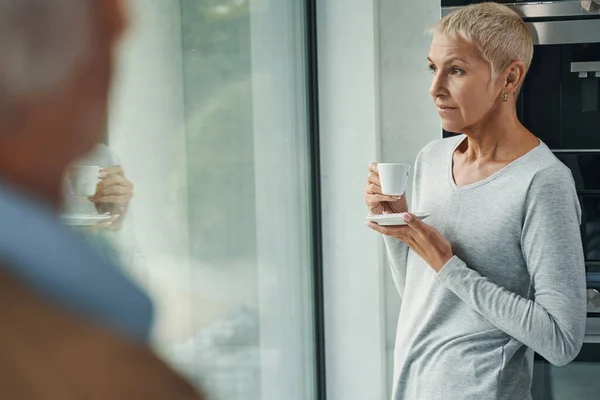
{"type": "Point", "coordinates": [209, 119]}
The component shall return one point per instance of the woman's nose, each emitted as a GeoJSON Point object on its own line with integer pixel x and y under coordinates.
{"type": "Point", "coordinates": [437, 87]}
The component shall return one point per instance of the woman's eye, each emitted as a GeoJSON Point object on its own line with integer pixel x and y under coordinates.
{"type": "Point", "coordinates": [432, 68]}
{"type": "Point", "coordinates": [456, 71]}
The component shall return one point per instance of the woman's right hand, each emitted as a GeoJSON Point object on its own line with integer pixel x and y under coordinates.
{"type": "Point", "coordinates": [379, 203]}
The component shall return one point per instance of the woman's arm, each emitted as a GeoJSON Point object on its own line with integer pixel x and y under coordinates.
{"type": "Point", "coordinates": [397, 253]}
{"type": "Point", "coordinates": [553, 322]}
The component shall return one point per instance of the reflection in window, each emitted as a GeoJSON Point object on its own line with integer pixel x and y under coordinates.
{"type": "Point", "coordinates": [209, 119]}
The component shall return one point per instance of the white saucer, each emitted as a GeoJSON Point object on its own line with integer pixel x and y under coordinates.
{"type": "Point", "coordinates": [393, 219]}
{"type": "Point", "coordinates": [83, 219]}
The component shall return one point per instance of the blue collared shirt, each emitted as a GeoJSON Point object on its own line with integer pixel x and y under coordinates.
{"type": "Point", "coordinates": [63, 268]}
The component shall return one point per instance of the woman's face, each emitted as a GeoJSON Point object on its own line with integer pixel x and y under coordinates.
{"type": "Point", "coordinates": [462, 86]}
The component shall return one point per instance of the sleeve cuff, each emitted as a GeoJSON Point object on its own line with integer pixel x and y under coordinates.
{"type": "Point", "coordinates": [450, 269]}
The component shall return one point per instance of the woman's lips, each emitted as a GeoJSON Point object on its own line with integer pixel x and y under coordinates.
{"type": "Point", "coordinates": [443, 110]}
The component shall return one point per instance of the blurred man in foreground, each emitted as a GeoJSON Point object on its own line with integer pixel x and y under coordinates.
{"type": "Point", "coordinates": [71, 325]}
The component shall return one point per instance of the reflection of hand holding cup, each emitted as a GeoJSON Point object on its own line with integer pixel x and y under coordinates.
{"type": "Point", "coordinates": [95, 193]}
{"type": "Point", "coordinates": [83, 180]}
{"type": "Point", "coordinates": [393, 178]}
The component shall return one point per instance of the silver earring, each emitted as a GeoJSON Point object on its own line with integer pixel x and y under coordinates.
{"type": "Point", "coordinates": [505, 97]}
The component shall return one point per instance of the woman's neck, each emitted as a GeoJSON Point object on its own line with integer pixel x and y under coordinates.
{"type": "Point", "coordinates": [501, 137]}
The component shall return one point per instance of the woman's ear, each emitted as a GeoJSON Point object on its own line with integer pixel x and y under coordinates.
{"type": "Point", "coordinates": [515, 75]}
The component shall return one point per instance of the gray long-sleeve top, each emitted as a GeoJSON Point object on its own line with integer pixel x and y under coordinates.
{"type": "Point", "coordinates": [515, 285]}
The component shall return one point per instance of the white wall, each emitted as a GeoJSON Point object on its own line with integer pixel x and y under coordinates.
{"type": "Point", "coordinates": [407, 114]}
{"type": "Point", "coordinates": [374, 105]}
{"type": "Point", "coordinates": [353, 271]}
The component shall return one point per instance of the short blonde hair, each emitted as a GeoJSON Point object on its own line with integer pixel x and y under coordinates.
{"type": "Point", "coordinates": [498, 33]}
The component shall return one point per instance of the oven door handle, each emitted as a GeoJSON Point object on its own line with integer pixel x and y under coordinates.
{"type": "Point", "coordinates": [591, 339]}
{"type": "Point", "coordinates": [584, 67]}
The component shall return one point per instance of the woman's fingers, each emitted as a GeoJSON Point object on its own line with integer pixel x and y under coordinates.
{"type": "Point", "coordinates": [113, 170]}
{"type": "Point", "coordinates": [116, 190]}
{"type": "Point", "coordinates": [372, 189]}
{"type": "Point", "coordinates": [373, 178]}
{"type": "Point", "coordinates": [379, 198]}
{"type": "Point", "coordinates": [401, 232]}
{"type": "Point", "coordinates": [113, 199]}
{"type": "Point", "coordinates": [373, 195]}
{"type": "Point", "coordinates": [113, 180]}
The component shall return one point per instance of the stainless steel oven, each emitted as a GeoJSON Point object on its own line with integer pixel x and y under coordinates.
{"type": "Point", "coordinates": [578, 380]}
{"type": "Point", "coordinates": [560, 103]}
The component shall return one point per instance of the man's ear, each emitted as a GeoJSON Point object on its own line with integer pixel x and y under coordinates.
{"type": "Point", "coordinates": [114, 17]}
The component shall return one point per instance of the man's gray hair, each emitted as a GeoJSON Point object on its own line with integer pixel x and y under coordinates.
{"type": "Point", "coordinates": [41, 43]}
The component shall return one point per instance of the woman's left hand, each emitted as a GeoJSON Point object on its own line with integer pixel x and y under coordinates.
{"type": "Point", "coordinates": [424, 240]}
{"type": "Point", "coordinates": [113, 196]}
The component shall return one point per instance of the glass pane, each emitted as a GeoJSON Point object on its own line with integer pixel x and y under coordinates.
{"type": "Point", "coordinates": [208, 120]}
{"type": "Point", "coordinates": [584, 167]}
{"type": "Point", "coordinates": [591, 226]}
{"type": "Point", "coordinates": [577, 381]}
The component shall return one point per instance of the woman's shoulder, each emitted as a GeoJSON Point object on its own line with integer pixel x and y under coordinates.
{"type": "Point", "coordinates": [546, 165]}
{"type": "Point", "coordinates": [436, 149]}
{"type": "Point", "coordinates": [555, 174]}
{"type": "Point", "coordinates": [100, 155]}
{"type": "Point", "coordinates": [547, 172]}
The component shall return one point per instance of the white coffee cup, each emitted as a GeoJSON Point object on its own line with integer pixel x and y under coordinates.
{"type": "Point", "coordinates": [83, 180]}
{"type": "Point", "coordinates": [393, 178]}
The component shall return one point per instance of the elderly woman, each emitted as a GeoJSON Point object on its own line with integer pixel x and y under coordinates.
{"type": "Point", "coordinates": [496, 272]}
